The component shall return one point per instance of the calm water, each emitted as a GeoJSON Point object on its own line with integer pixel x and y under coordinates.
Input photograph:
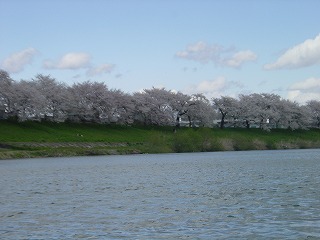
{"type": "Point", "coordinates": [228, 195]}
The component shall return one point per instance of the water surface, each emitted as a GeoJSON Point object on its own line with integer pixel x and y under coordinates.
{"type": "Point", "coordinates": [224, 195]}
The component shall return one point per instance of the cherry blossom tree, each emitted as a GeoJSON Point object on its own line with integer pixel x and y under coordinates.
{"type": "Point", "coordinates": [227, 106]}
{"type": "Point", "coordinates": [45, 97]}
{"type": "Point", "coordinates": [152, 107]}
{"type": "Point", "coordinates": [88, 102]}
{"type": "Point", "coordinates": [314, 107]}
{"type": "Point", "coordinates": [292, 115]}
{"type": "Point", "coordinates": [259, 109]}
{"type": "Point", "coordinates": [164, 107]}
{"type": "Point", "coordinates": [55, 96]}
{"type": "Point", "coordinates": [6, 93]}
{"type": "Point", "coordinates": [200, 111]}
{"type": "Point", "coordinates": [122, 110]}
{"type": "Point", "coordinates": [28, 101]}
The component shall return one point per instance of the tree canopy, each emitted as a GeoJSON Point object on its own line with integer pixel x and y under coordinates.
{"type": "Point", "coordinates": [44, 98]}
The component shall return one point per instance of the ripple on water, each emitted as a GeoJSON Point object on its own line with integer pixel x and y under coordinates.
{"type": "Point", "coordinates": [248, 195]}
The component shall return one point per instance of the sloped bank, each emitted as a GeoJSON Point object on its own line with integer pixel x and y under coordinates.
{"type": "Point", "coordinates": [56, 149]}
{"type": "Point", "coordinates": [244, 139]}
{"type": "Point", "coordinates": [34, 139]}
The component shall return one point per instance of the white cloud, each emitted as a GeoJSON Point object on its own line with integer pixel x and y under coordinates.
{"type": "Point", "coordinates": [201, 52]}
{"type": "Point", "coordinates": [305, 90]}
{"type": "Point", "coordinates": [17, 61]}
{"type": "Point", "coordinates": [217, 54]}
{"type": "Point", "coordinates": [301, 55]}
{"type": "Point", "coordinates": [104, 68]}
{"type": "Point", "coordinates": [310, 83]}
{"type": "Point", "coordinates": [216, 85]}
{"type": "Point", "coordinates": [214, 88]}
{"type": "Point", "coordinates": [240, 57]}
{"type": "Point", "coordinates": [69, 61]}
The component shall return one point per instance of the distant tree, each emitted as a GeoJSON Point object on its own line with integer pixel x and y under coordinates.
{"type": "Point", "coordinates": [293, 116]}
{"type": "Point", "coordinates": [253, 109]}
{"type": "Point", "coordinates": [259, 109]}
{"type": "Point", "coordinates": [28, 101]}
{"type": "Point", "coordinates": [267, 109]}
{"type": "Point", "coordinates": [314, 108]}
{"type": "Point", "coordinates": [201, 111]}
{"type": "Point", "coordinates": [165, 107]}
{"type": "Point", "coordinates": [7, 92]}
{"type": "Point", "coordinates": [227, 107]}
{"type": "Point", "coordinates": [180, 104]}
{"type": "Point", "coordinates": [55, 96]}
{"type": "Point", "coordinates": [152, 107]}
{"type": "Point", "coordinates": [122, 107]}
{"type": "Point", "coordinates": [89, 102]}
{"type": "Point", "coordinates": [44, 97]}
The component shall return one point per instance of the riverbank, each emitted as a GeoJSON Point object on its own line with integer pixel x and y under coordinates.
{"type": "Point", "coordinates": [35, 139]}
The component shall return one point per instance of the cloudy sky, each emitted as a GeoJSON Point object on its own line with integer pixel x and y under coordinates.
{"type": "Point", "coordinates": [193, 46]}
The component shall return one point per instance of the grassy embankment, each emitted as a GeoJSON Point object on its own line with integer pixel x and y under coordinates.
{"type": "Point", "coordinates": [33, 139]}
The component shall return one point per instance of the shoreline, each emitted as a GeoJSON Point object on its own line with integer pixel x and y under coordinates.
{"type": "Point", "coordinates": [29, 150]}
{"type": "Point", "coordinates": [47, 139]}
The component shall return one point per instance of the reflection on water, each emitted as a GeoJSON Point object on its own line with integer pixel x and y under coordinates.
{"type": "Point", "coordinates": [249, 195]}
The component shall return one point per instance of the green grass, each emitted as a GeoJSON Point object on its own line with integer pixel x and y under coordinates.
{"type": "Point", "coordinates": [64, 132]}
{"type": "Point", "coordinates": [140, 139]}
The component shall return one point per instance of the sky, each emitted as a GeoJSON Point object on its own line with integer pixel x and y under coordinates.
{"type": "Point", "coordinates": [214, 47]}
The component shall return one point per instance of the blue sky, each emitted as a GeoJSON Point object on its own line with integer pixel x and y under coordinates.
{"type": "Point", "coordinates": [213, 47]}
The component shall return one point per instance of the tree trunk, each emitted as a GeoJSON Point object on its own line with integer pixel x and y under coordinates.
{"type": "Point", "coordinates": [178, 122]}
{"type": "Point", "coordinates": [222, 121]}
{"type": "Point", "coordinates": [261, 123]}
{"type": "Point", "coordinates": [189, 119]}
{"type": "Point", "coordinates": [247, 124]}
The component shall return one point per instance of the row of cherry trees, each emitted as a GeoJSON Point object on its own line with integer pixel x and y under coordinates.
{"type": "Point", "coordinates": [43, 97]}
{"type": "Point", "coordinates": [266, 111]}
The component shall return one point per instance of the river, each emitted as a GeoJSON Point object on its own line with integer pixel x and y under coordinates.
{"type": "Point", "coordinates": [222, 195]}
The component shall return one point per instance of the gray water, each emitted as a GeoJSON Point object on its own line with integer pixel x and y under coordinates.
{"type": "Point", "coordinates": [227, 195]}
